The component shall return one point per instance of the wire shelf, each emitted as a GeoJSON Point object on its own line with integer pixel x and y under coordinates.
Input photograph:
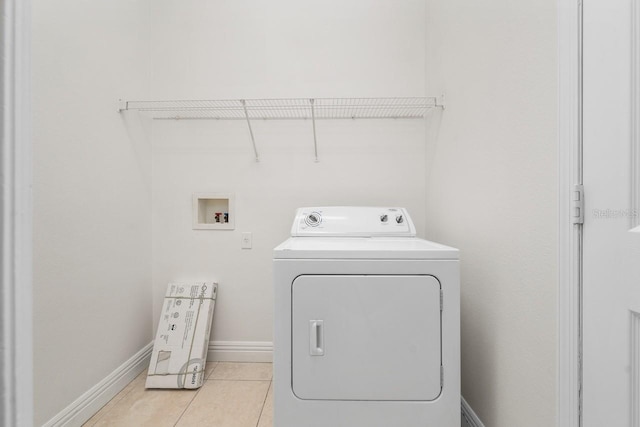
{"type": "Point", "coordinates": [286, 109]}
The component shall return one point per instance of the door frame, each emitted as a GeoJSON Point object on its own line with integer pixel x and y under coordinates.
{"type": "Point", "coordinates": [635, 115]}
{"type": "Point", "coordinates": [569, 382]}
{"type": "Point", "coordinates": [16, 335]}
{"type": "Point", "coordinates": [570, 314]}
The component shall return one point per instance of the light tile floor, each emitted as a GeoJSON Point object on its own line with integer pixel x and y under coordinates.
{"type": "Point", "coordinates": [233, 395]}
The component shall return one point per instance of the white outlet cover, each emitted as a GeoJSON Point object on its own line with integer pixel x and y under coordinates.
{"type": "Point", "coordinates": [247, 240]}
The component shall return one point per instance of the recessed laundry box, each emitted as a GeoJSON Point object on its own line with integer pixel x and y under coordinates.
{"type": "Point", "coordinates": [366, 323]}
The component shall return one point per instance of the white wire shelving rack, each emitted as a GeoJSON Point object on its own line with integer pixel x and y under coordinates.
{"type": "Point", "coordinates": [312, 109]}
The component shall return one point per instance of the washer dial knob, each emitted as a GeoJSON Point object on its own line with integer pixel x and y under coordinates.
{"type": "Point", "coordinates": [384, 218]}
{"type": "Point", "coordinates": [399, 219]}
{"type": "Point", "coordinates": [313, 219]}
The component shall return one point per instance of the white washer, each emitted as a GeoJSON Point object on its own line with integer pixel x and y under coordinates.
{"type": "Point", "coordinates": [367, 323]}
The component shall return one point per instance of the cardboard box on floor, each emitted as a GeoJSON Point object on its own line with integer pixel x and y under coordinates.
{"type": "Point", "coordinates": [180, 349]}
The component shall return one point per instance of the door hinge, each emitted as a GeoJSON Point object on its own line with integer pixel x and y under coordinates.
{"type": "Point", "coordinates": [441, 376]}
{"type": "Point", "coordinates": [577, 204]}
{"type": "Point", "coordinates": [441, 300]}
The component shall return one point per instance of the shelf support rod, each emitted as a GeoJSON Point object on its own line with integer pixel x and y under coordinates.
{"type": "Point", "coordinates": [253, 140]}
{"type": "Point", "coordinates": [313, 120]}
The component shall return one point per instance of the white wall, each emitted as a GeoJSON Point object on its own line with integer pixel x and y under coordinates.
{"type": "Point", "coordinates": [487, 184]}
{"type": "Point", "coordinates": [253, 49]}
{"type": "Point", "coordinates": [492, 192]}
{"type": "Point", "coordinates": [92, 262]}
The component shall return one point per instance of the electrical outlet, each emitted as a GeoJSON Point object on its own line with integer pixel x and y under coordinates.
{"type": "Point", "coordinates": [247, 240]}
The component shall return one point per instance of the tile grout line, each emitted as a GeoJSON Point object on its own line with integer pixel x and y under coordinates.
{"type": "Point", "coordinates": [264, 402]}
{"type": "Point", "coordinates": [195, 394]}
{"type": "Point", "coordinates": [213, 370]}
{"type": "Point", "coordinates": [198, 391]}
{"type": "Point", "coordinates": [188, 404]}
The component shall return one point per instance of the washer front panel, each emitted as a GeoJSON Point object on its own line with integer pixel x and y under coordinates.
{"type": "Point", "coordinates": [366, 337]}
{"type": "Point", "coordinates": [292, 411]}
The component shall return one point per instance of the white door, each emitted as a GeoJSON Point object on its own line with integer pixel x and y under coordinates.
{"type": "Point", "coordinates": [364, 337]}
{"type": "Point", "coordinates": [611, 260]}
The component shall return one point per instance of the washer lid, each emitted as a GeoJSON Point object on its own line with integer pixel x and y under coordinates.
{"type": "Point", "coordinates": [352, 221]}
{"type": "Point", "coordinates": [362, 248]}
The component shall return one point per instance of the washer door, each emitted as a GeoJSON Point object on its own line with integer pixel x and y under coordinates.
{"type": "Point", "coordinates": [359, 337]}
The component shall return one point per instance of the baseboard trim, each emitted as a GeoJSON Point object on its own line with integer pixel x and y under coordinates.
{"type": "Point", "coordinates": [99, 395]}
{"type": "Point", "coordinates": [468, 414]}
{"type": "Point", "coordinates": [240, 351]}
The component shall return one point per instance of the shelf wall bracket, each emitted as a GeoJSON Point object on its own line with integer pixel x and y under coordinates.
{"type": "Point", "coordinates": [313, 121]}
{"type": "Point", "coordinates": [253, 140]}
{"type": "Point", "coordinates": [122, 106]}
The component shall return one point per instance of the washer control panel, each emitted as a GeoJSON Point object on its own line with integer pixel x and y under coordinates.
{"type": "Point", "coordinates": [356, 221]}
